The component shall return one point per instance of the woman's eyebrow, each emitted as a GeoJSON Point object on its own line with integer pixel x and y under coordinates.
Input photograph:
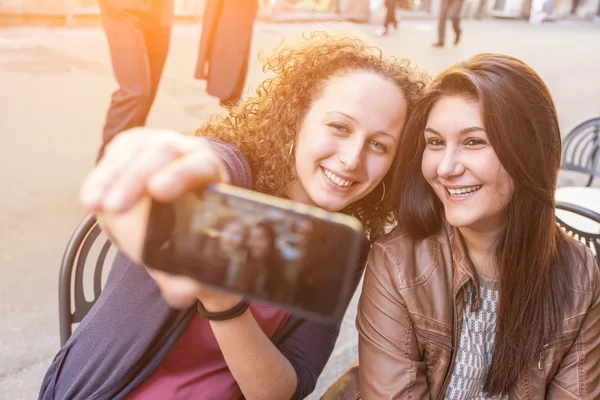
{"type": "Point", "coordinates": [354, 119]}
{"type": "Point", "coordinates": [462, 131]}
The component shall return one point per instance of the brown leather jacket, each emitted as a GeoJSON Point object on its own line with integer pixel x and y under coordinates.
{"type": "Point", "coordinates": [410, 319]}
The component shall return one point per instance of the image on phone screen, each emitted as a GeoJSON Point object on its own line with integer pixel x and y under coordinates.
{"type": "Point", "coordinates": [274, 254]}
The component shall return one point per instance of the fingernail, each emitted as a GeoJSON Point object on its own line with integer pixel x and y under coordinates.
{"type": "Point", "coordinates": [90, 198]}
{"type": "Point", "coordinates": [162, 186]}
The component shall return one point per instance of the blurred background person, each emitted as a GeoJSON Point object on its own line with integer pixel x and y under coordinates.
{"type": "Point", "coordinates": [453, 9]}
{"type": "Point", "coordinates": [225, 47]}
{"type": "Point", "coordinates": [390, 19]}
{"type": "Point", "coordinates": [138, 34]}
{"type": "Point", "coordinates": [482, 10]}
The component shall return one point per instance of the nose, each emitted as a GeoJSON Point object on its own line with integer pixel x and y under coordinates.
{"type": "Point", "coordinates": [350, 154]}
{"type": "Point", "coordinates": [450, 165]}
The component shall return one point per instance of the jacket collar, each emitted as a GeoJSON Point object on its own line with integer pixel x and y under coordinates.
{"type": "Point", "coordinates": [463, 267]}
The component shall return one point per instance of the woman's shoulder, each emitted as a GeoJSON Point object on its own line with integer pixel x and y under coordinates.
{"type": "Point", "coordinates": [410, 257]}
{"type": "Point", "coordinates": [400, 243]}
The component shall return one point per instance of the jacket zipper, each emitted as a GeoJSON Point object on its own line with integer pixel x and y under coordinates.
{"type": "Point", "coordinates": [455, 349]}
{"type": "Point", "coordinates": [568, 338]}
{"type": "Point", "coordinates": [434, 338]}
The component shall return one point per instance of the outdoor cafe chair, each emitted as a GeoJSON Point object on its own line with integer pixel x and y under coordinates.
{"type": "Point", "coordinates": [581, 149]}
{"type": "Point", "coordinates": [75, 260]}
{"type": "Point", "coordinates": [581, 224]}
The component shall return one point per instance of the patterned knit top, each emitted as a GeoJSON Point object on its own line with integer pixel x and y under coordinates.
{"type": "Point", "coordinates": [476, 344]}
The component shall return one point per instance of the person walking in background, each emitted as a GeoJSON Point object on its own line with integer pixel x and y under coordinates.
{"type": "Point", "coordinates": [453, 9]}
{"type": "Point", "coordinates": [481, 10]}
{"type": "Point", "coordinates": [138, 34]}
{"type": "Point", "coordinates": [390, 19]}
{"type": "Point", "coordinates": [225, 47]}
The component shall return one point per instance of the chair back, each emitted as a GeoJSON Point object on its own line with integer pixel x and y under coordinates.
{"type": "Point", "coordinates": [72, 288]}
{"type": "Point", "coordinates": [581, 149]}
{"type": "Point", "coordinates": [589, 237]}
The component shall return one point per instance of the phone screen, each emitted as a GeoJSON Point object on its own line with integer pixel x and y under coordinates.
{"type": "Point", "coordinates": [278, 252]}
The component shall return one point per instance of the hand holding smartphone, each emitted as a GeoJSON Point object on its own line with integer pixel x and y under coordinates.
{"type": "Point", "coordinates": [292, 255]}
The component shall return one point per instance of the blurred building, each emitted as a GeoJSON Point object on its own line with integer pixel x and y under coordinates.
{"type": "Point", "coordinates": [354, 10]}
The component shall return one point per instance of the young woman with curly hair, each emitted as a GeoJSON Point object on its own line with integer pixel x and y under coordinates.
{"type": "Point", "coordinates": [323, 130]}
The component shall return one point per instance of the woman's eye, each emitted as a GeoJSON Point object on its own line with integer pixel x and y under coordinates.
{"type": "Point", "coordinates": [378, 146]}
{"type": "Point", "coordinates": [475, 142]}
{"type": "Point", "coordinates": [339, 127]}
{"type": "Point", "coordinates": [434, 142]}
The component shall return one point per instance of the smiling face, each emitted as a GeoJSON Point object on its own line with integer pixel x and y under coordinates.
{"type": "Point", "coordinates": [462, 167]}
{"type": "Point", "coordinates": [232, 237]}
{"type": "Point", "coordinates": [348, 140]}
{"type": "Point", "coordinates": [259, 243]}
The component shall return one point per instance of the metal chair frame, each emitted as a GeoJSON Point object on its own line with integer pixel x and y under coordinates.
{"type": "Point", "coordinates": [581, 149]}
{"type": "Point", "coordinates": [591, 240]}
{"type": "Point", "coordinates": [75, 258]}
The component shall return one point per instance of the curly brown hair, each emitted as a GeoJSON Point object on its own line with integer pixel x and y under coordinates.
{"type": "Point", "coordinates": [266, 124]}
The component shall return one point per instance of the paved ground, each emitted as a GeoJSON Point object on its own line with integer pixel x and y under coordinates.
{"type": "Point", "coordinates": [55, 84]}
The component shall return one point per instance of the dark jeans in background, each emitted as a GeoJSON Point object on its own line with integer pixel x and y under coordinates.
{"type": "Point", "coordinates": [452, 9]}
{"type": "Point", "coordinates": [138, 43]}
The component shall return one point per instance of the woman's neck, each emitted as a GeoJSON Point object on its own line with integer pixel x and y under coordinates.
{"type": "Point", "coordinates": [481, 247]}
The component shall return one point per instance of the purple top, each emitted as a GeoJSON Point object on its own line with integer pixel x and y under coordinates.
{"type": "Point", "coordinates": [130, 330]}
{"type": "Point", "coordinates": [195, 367]}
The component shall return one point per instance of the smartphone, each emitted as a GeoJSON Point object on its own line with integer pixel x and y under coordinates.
{"type": "Point", "coordinates": [295, 256]}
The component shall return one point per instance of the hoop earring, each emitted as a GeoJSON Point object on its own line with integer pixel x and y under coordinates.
{"type": "Point", "coordinates": [382, 196]}
{"type": "Point", "coordinates": [291, 149]}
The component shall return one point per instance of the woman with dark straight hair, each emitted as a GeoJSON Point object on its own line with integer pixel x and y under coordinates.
{"type": "Point", "coordinates": [264, 273]}
{"type": "Point", "coordinates": [478, 293]}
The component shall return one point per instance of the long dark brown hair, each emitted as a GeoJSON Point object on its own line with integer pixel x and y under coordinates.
{"type": "Point", "coordinates": [520, 119]}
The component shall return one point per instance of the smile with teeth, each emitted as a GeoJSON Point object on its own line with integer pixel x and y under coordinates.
{"type": "Point", "coordinates": [336, 179]}
{"type": "Point", "coordinates": [464, 191]}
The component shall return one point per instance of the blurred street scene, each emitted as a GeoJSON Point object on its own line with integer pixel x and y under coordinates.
{"type": "Point", "coordinates": [356, 10]}
{"type": "Point", "coordinates": [55, 87]}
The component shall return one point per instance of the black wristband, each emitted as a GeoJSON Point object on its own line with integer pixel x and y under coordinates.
{"type": "Point", "coordinates": [233, 312]}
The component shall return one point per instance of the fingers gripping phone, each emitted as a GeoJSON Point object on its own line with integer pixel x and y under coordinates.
{"type": "Point", "coordinates": [295, 256]}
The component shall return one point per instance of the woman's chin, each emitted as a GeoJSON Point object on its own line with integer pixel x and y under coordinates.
{"type": "Point", "coordinates": [127, 230]}
{"type": "Point", "coordinates": [330, 204]}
